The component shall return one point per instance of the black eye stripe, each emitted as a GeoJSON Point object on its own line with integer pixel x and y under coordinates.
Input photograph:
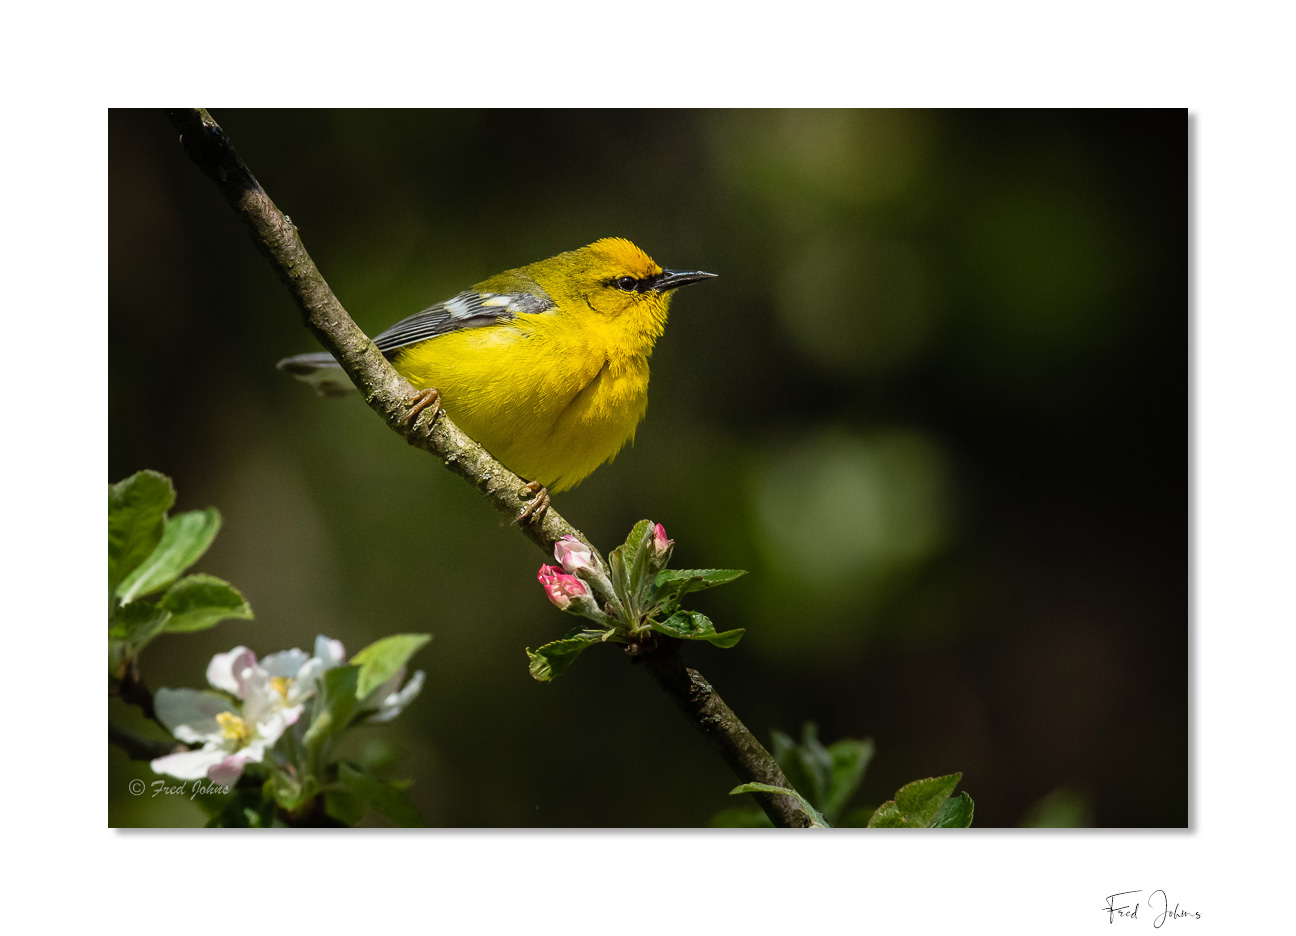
{"type": "Point", "coordinates": [630, 284]}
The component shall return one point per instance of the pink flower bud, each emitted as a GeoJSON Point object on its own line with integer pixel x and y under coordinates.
{"type": "Point", "coordinates": [574, 555]}
{"type": "Point", "coordinates": [659, 549]}
{"type": "Point", "coordinates": [560, 587]}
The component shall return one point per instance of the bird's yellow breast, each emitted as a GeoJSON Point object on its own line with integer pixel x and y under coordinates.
{"type": "Point", "coordinates": [551, 396]}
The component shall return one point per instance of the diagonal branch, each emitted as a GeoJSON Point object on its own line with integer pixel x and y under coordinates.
{"type": "Point", "coordinates": [385, 391]}
{"type": "Point", "coordinates": [745, 755]}
{"type": "Point", "coordinates": [390, 396]}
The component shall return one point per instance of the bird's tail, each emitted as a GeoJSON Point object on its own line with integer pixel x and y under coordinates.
{"type": "Point", "coordinates": [320, 370]}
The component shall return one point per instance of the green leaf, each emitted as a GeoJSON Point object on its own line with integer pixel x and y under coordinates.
{"type": "Point", "coordinates": [336, 705]}
{"type": "Point", "coordinates": [198, 602]}
{"type": "Point", "coordinates": [925, 797]}
{"type": "Point", "coordinates": [817, 819]}
{"type": "Point", "coordinates": [382, 659]}
{"type": "Point", "coordinates": [618, 577]}
{"type": "Point", "coordinates": [808, 765]}
{"type": "Point", "coordinates": [628, 567]}
{"type": "Point", "coordinates": [637, 558]}
{"type": "Point", "coordinates": [384, 798]}
{"type": "Point", "coordinates": [918, 805]}
{"type": "Point", "coordinates": [287, 791]}
{"type": "Point", "coordinates": [551, 661]}
{"type": "Point", "coordinates": [137, 507]}
{"type": "Point", "coordinates": [639, 535]}
{"type": "Point", "coordinates": [708, 578]}
{"type": "Point", "coordinates": [829, 775]}
{"type": "Point", "coordinates": [185, 537]}
{"type": "Point", "coordinates": [593, 635]}
{"type": "Point", "coordinates": [346, 808]}
{"type": "Point", "coordinates": [887, 816]}
{"type": "Point", "coordinates": [130, 628]}
{"type": "Point", "coordinates": [955, 813]}
{"type": "Point", "coordinates": [673, 584]}
{"type": "Point", "coordinates": [755, 787]}
{"type": "Point", "coordinates": [138, 623]}
{"type": "Point", "coordinates": [635, 544]}
{"type": "Point", "coordinates": [690, 625]}
{"type": "Point", "coordinates": [850, 758]}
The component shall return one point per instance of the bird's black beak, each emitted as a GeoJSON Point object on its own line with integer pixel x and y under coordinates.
{"type": "Point", "coordinates": [672, 279]}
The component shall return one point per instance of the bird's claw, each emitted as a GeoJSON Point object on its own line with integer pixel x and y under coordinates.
{"type": "Point", "coordinates": [539, 504]}
{"type": "Point", "coordinates": [421, 401]}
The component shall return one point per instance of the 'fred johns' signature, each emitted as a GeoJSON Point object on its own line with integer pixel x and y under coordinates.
{"type": "Point", "coordinates": [162, 788]}
{"type": "Point", "coordinates": [1124, 906]}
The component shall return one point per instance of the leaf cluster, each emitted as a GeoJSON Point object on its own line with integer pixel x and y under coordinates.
{"type": "Point", "coordinates": [148, 553]}
{"type": "Point", "coordinates": [640, 597]}
{"type": "Point", "coordinates": [831, 775]}
{"type": "Point", "coordinates": [149, 593]}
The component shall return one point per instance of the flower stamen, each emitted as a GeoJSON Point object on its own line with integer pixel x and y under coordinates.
{"type": "Point", "coordinates": [233, 728]}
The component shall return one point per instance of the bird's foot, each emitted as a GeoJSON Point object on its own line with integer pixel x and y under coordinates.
{"type": "Point", "coordinates": [421, 401]}
{"type": "Point", "coordinates": [539, 503]}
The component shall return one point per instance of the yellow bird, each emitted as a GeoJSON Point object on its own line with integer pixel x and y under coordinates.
{"type": "Point", "coordinates": [545, 365]}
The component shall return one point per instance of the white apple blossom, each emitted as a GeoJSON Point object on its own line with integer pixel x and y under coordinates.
{"type": "Point", "coordinates": [286, 680]}
{"type": "Point", "coordinates": [390, 700]}
{"type": "Point", "coordinates": [230, 737]}
{"type": "Point", "coordinates": [269, 697]}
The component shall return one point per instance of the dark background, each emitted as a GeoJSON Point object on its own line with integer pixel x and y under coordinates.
{"type": "Point", "coordinates": [936, 403]}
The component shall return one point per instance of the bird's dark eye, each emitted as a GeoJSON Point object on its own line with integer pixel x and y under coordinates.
{"type": "Point", "coordinates": [626, 283]}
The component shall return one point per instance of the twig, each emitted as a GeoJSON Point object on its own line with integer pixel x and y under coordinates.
{"type": "Point", "coordinates": [141, 748]}
{"type": "Point", "coordinates": [390, 395]}
{"type": "Point", "coordinates": [131, 690]}
{"type": "Point", "coordinates": [745, 755]}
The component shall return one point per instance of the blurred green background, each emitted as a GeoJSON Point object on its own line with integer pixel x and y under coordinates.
{"type": "Point", "coordinates": [936, 403]}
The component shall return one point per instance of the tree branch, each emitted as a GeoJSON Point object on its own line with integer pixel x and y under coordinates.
{"type": "Point", "coordinates": [130, 689]}
{"type": "Point", "coordinates": [386, 392]}
{"type": "Point", "coordinates": [141, 748]}
{"type": "Point", "coordinates": [703, 706]}
{"type": "Point", "coordinates": [390, 396]}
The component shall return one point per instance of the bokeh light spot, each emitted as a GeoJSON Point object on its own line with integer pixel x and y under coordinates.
{"type": "Point", "coordinates": [837, 506]}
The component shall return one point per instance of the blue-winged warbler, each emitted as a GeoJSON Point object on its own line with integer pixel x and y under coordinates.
{"type": "Point", "coordinates": [545, 365]}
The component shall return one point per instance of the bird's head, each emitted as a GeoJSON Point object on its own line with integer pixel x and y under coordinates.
{"type": "Point", "coordinates": [617, 281]}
